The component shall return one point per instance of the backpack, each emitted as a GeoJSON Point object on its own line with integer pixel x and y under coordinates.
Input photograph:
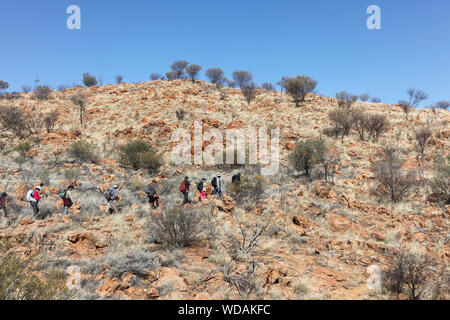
{"type": "Point", "coordinates": [147, 190]}
{"type": "Point", "coordinates": [63, 194]}
{"type": "Point", "coordinates": [214, 182]}
{"type": "Point", "coordinates": [108, 195]}
{"type": "Point", "coordinates": [200, 186]}
{"type": "Point", "coordinates": [183, 187]}
{"type": "Point", "coordinates": [30, 195]}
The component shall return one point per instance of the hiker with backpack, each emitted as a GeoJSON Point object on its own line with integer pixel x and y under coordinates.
{"type": "Point", "coordinates": [3, 203]}
{"type": "Point", "coordinates": [152, 193]}
{"type": "Point", "coordinates": [201, 189]}
{"type": "Point", "coordinates": [112, 195]}
{"type": "Point", "coordinates": [217, 184]}
{"type": "Point", "coordinates": [33, 197]}
{"type": "Point", "coordinates": [236, 178]}
{"type": "Point", "coordinates": [184, 189]}
{"type": "Point", "coordinates": [65, 195]}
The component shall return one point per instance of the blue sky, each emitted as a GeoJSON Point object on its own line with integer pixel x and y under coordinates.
{"type": "Point", "coordinates": [327, 40]}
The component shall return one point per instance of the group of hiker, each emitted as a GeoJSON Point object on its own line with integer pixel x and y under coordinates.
{"type": "Point", "coordinates": [34, 196]}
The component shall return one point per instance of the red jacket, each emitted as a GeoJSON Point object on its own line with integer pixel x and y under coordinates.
{"type": "Point", "coordinates": [36, 195]}
{"type": "Point", "coordinates": [2, 202]}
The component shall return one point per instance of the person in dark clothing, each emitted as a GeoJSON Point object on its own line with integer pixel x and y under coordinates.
{"type": "Point", "coordinates": [3, 203]}
{"type": "Point", "coordinates": [185, 185]}
{"type": "Point", "coordinates": [152, 192]}
{"type": "Point", "coordinates": [236, 178]}
{"type": "Point", "coordinates": [67, 200]}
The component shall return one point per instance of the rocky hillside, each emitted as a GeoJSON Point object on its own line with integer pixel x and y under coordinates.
{"type": "Point", "coordinates": [318, 237]}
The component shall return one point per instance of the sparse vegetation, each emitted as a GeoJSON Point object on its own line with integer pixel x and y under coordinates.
{"type": "Point", "coordinates": [193, 71]}
{"type": "Point", "coordinates": [299, 87]}
{"type": "Point", "coordinates": [411, 272]}
{"type": "Point", "coordinates": [178, 70]}
{"type": "Point", "coordinates": [249, 91]}
{"type": "Point", "coordinates": [242, 78]}
{"type": "Point", "coordinates": [13, 119]}
{"type": "Point", "coordinates": [42, 92]}
{"type": "Point", "coordinates": [307, 154]}
{"type": "Point", "coordinates": [84, 152]}
{"type": "Point", "coordinates": [177, 227]}
{"type": "Point", "coordinates": [443, 104]}
{"type": "Point", "coordinates": [422, 137]}
{"type": "Point", "coordinates": [440, 184]}
{"type": "Point", "coordinates": [215, 76]}
{"type": "Point", "coordinates": [394, 182]}
{"type": "Point", "coordinates": [345, 99]}
{"type": "Point", "coordinates": [20, 282]}
{"type": "Point", "coordinates": [139, 154]}
{"type": "Point", "coordinates": [119, 79]}
{"type": "Point", "coordinates": [80, 101]}
{"type": "Point", "coordinates": [343, 121]}
{"type": "Point", "coordinates": [89, 80]}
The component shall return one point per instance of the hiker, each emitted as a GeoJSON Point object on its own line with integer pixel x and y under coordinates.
{"type": "Point", "coordinates": [217, 184]}
{"type": "Point", "coordinates": [201, 189]}
{"type": "Point", "coordinates": [3, 203]}
{"type": "Point", "coordinates": [33, 198]}
{"type": "Point", "coordinates": [152, 193]}
{"type": "Point", "coordinates": [67, 199]}
{"type": "Point", "coordinates": [236, 178]}
{"type": "Point", "coordinates": [184, 188]}
{"type": "Point", "coordinates": [112, 196]}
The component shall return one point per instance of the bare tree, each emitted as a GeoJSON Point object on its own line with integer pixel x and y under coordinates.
{"type": "Point", "coordinates": [249, 91]}
{"type": "Point", "coordinates": [179, 68]}
{"type": "Point", "coordinates": [299, 87]}
{"type": "Point", "coordinates": [376, 100]}
{"type": "Point", "coordinates": [119, 79]}
{"type": "Point", "coordinates": [231, 83]}
{"type": "Point", "coordinates": [416, 97]}
{"type": "Point", "coordinates": [377, 124]}
{"type": "Point", "coordinates": [215, 75]}
{"type": "Point", "coordinates": [411, 272]}
{"type": "Point", "coordinates": [193, 71]}
{"type": "Point", "coordinates": [422, 137]}
{"type": "Point", "coordinates": [389, 173]}
{"type": "Point", "coordinates": [345, 99]}
{"type": "Point", "coordinates": [155, 76]}
{"type": "Point", "coordinates": [443, 104]}
{"type": "Point", "coordinates": [364, 97]}
{"type": "Point", "coordinates": [242, 78]}
{"type": "Point", "coordinates": [247, 239]}
{"type": "Point", "coordinates": [343, 121]}
{"type": "Point", "coordinates": [80, 101]}
{"type": "Point", "coordinates": [267, 86]}
{"type": "Point", "coordinates": [50, 120]}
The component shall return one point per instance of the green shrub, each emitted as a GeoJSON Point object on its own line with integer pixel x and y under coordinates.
{"type": "Point", "coordinates": [307, 155]}
{"type": "Point", "coordinates": [42, 92]}
{"type": "Point", "coordinates": [177, 227]}
{"type": "Point", "coordinates": [19, 282]}
{"type": "Point", "coordinates": [299, 87]}
{"type": "Point", "coordinates": [23, 149]}
{"type": "Point", "coordinates": [84, 152]}
{"type": "Point", "coordinates": [14, 120]}
{"type": "Point", "coordinates": [89, 80]}
{"type": "Point", "coordinates": [250, 189]}
{"type": "Point", "coordinates": [440, 184]}
{"type": "Point", "coordinates": [139, 154]}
